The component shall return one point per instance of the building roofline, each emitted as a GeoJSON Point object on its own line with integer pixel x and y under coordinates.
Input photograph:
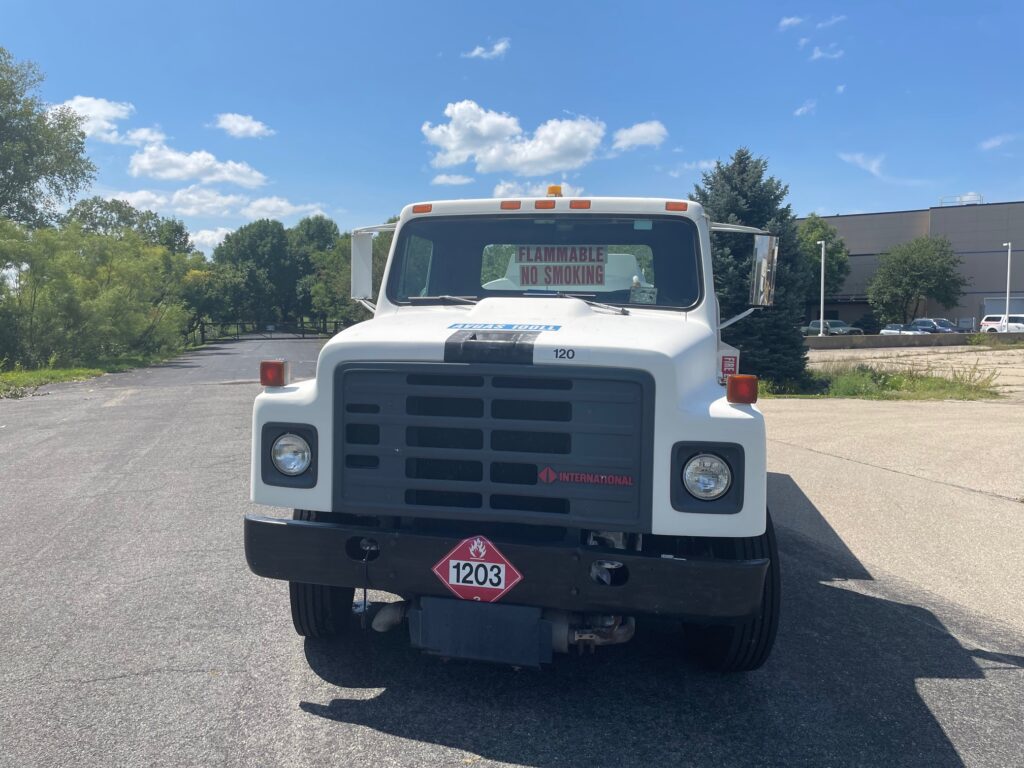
{"type": "Point", "coordinates": [914, 210]}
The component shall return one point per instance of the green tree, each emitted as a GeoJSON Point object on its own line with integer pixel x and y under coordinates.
{"type": "Point", "coordinates": [837, 259]}
{"type": "Point", "coordinates": [259, 251]}
{"type": "Point", "coordinates": [913, 273]}
{"type": "Point", "coordinates": [78, 297]}
{"type": "Point", "coordinates": [741, 192]}
{"type": "Point", "coordinates": [42, 149]}
{"type": "Point", "coordinates": [313, 235]}
{"type": "Point", "coordinates": [97, 215]}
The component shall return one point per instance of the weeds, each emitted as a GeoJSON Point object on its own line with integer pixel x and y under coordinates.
{"type": "Point", "coordinates": [20, 382]}
{"type": "Point", "coordinates": [845, 379]}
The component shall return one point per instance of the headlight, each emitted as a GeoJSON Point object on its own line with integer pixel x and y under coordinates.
{"type": "Point", "coordinates": [291, 455]}
{"type": "Point", "coordinates": [706, 477]}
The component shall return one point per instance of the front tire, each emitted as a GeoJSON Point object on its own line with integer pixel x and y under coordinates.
{"type": "Point", "coordinates": [318, 610]}
{"type": "Point", "coordinates": [745, 646]}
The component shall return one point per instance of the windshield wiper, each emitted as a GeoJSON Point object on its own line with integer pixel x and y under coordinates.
{"type": "Point", "coordinates": [584, 299]}
{"type": "Point", "coordinates": [442, 299]}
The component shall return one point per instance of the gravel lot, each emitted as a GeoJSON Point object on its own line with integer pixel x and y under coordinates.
{"type": "Point", "coordinates": [132, 633]}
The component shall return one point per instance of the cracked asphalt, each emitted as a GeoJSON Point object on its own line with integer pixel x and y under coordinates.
{"type": "Point", "coordinates": [132, 633]}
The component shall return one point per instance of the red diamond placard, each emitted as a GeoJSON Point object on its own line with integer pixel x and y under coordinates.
{"type": "Point", "coordinates": [477, 570]}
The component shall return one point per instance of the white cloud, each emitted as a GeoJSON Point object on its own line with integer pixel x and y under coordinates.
{"type": "Point", "coordinates": [649, 134]}
{"type": "Point", "coordinates": [831, 22]}
{"type": "Point", "coordinates": [803, 42]}
{"type": "Point", "coordinates": [997, 141]}
{"type": "Point", "coordinates": [101, 116]}
{"type": "Point", "coordinates": [519, 189]}
{"type": "Point", "coordinates": [202, 201]}
{"type": "Point", "coordinates": [242, 126]}
{"type": "Point", "coordinates": [142, 136]}
{"type": "Point", "coordinates": [208, 239]}
{"type": "Point", "coordinates": [789, 21]}
{"type": "Point", "coordinates": [873, 165]}
{"type": "Point", "coordinates": [807, 108]}
{"type": "Point", "coordinates": [496, 142]}
{"type": "Point", "coordinates": [278, 208]}
{"type": "Point", "coordinates": [143, 199]}
{"type": "Point", "coordinates": [496, 51]}
{"type": "Point", "coordinates": [159, 161]}
{"type": "Point", "coordinates": [693, 165]}
{"type": "Point", "coordinates": [841, 89]}
{"type": "Point", "coordinates": [451, 179]}
{"type": "Point", "coordinates": [830, 53]}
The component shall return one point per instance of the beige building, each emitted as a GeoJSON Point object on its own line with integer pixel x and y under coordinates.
{"type": "Point", "coordinates": [976, 232]}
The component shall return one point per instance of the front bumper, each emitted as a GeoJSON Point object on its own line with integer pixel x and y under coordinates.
{"type": "Point", "coordinates": [554, 575]}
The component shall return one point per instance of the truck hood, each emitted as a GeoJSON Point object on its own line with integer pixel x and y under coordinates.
{"type": "Point", "coordinates": [645, 338]}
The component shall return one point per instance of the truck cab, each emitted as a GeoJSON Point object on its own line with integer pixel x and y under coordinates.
{"type": "Point", "coordinates": [538, 438]}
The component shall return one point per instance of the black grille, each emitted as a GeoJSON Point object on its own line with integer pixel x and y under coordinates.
{"type": "Point", "coordinates": [512, 443]}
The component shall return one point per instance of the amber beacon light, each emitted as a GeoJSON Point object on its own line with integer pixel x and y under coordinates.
{"type": "Point", "coordinates": [741, 388]}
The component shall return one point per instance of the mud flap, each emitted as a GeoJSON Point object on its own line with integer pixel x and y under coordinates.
{"type": "Point", "coordinates": [461, 629]}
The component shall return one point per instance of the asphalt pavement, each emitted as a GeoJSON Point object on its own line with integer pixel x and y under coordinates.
{"type": "Point", "coordinates": [133, 634]}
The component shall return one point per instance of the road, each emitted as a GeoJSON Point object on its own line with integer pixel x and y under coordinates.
{"type": "Point", "coordinates": [132, 633]}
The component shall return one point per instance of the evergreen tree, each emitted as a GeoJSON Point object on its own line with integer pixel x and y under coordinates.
{"type": "Point", "coordinates": [741, 192]}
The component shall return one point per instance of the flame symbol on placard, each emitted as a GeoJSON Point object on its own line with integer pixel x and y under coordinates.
{"type": "Point", "coordinates": [477, 549]}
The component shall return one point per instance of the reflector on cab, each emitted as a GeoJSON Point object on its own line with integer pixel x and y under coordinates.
{"type": "Point", "coordinates": [741, 388]}
{"type": "Point", "coordinates": [274, 373]}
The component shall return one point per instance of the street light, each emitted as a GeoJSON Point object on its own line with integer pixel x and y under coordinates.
{"type": "Point", "coordinates": [821, 310]}
{"type": "Point", "coordinates": [1006, 317]}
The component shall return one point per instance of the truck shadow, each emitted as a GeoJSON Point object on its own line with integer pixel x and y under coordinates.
{"type": "Point", "coordinates": [839, 688]}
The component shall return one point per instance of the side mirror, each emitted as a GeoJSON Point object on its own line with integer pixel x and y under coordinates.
{"type": "Point", "coordinates": [362, 265]}
{"type": "Point", "coordinates": [762, 278]}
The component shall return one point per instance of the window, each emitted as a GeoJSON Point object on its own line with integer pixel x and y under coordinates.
{"type": "Point", "coordinates": [642, 261]}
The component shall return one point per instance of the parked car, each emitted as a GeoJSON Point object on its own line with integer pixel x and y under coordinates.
{"type": "Point", "coordinates": [936, 325]}
{"type": "Point", "coordinates": [994, 324]}
{"type": "Point", "coordinates": [832, 328]}
{"type": "Point", "coordinates": [895, 329]}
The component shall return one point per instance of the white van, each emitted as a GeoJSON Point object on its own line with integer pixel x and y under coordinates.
{"type": "Point", "coordinates": [995, 324]}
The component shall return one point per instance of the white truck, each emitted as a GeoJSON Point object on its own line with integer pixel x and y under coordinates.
{"type": "Point", "coordinates": [538, 438]}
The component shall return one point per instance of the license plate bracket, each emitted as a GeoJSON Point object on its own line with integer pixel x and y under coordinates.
{"type": "Point", "coordinates": [502, 634]}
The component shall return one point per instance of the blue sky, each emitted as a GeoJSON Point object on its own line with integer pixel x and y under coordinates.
{"type": "Point", "coordinates": [219, 113]}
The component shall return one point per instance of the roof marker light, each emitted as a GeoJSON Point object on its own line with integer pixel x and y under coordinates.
{"type": "Point", "coordinates": [554, 190]}
{"type": "Point", "coordinates": [510, 205]}
{"type": "Point", "coordinates": [675, 205]}
{"type": "Point", "coordinates": [544, 204]}
{"type": "Point", "coordinates": [274, 373]}
{"type": "Point", "coordinates": [579, 203]}
{"type": "Point", "coordinates": [422, 208]}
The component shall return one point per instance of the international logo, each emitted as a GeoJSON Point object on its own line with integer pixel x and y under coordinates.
{"type": "Point", "coordinates": [548, 475]}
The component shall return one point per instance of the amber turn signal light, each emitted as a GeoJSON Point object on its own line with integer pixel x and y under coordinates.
{"type": "Point", "coordinates": [273, 373]}
{"type": "Point", "coordinates": [741, 388]}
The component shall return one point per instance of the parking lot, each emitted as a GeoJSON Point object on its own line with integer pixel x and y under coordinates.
{"type": "Point", "coordinates": [132, 633]}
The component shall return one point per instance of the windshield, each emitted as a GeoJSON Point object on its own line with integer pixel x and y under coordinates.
{"type": "Point", "coordinates": [624, 260]}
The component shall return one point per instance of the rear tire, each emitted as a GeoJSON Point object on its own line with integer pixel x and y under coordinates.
{"type": "Point", "coordinates": [318, 610]}
{"type": "Point", "coordinates": [745, 646]}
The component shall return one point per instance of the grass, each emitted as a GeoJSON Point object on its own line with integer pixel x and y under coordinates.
{"type": "Point", "coordinates": [851, 380]}
{"type": "Point", "coordinates": [993, 340]}
{"type": "Point", "coordinates": [19, 382]}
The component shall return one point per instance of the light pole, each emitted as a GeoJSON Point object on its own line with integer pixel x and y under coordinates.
{"type": "Point", "coordinates": [1006, 317]}
{"type": "Point", "coordinates": [821, 309]}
